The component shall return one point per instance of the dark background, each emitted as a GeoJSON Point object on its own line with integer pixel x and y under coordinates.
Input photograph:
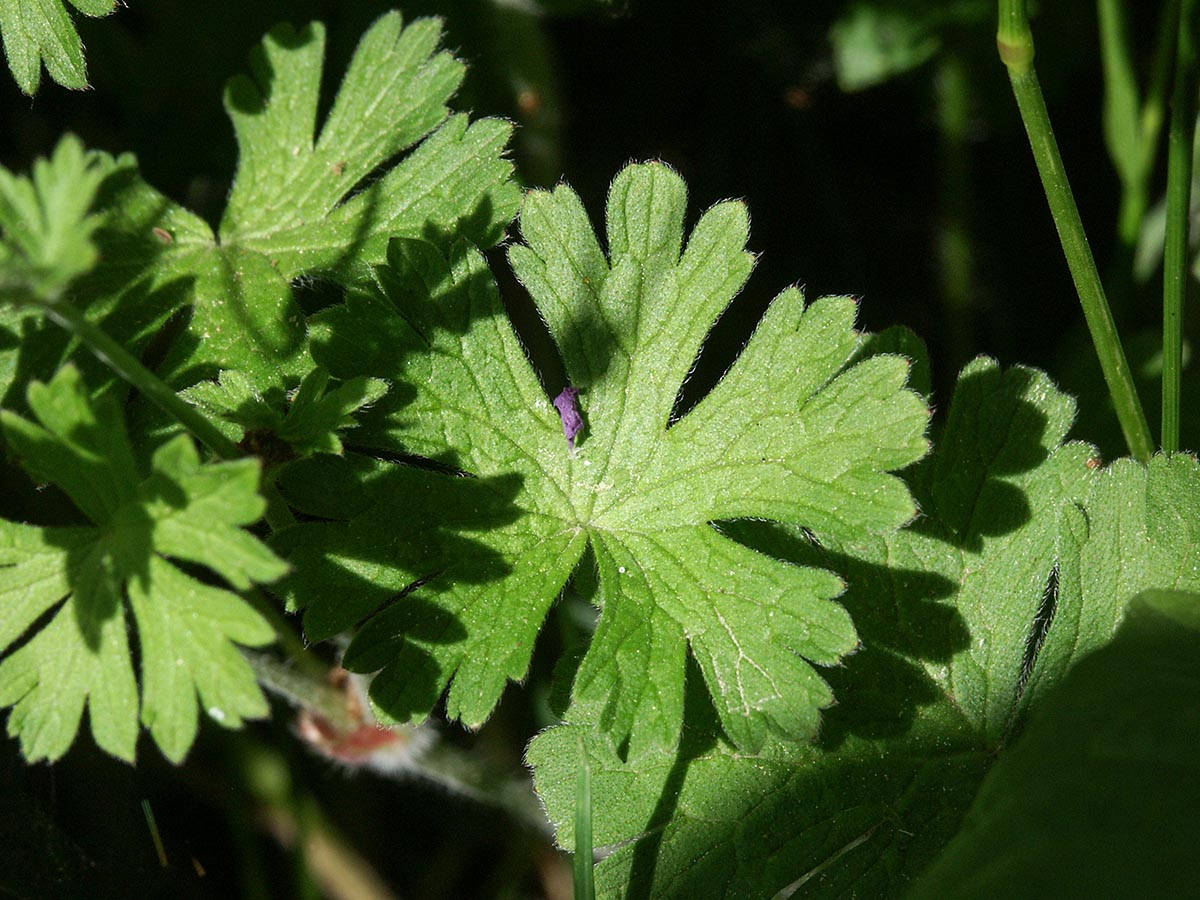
{"type": "Point", "coordinates": [856, 192]}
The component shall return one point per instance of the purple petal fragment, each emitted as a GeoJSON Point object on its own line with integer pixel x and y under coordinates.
{"type": "Point", "coordinates": [567, 404]}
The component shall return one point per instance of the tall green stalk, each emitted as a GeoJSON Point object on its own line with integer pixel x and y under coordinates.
{"type": "Point", "coordinates": [1179, 196]}
{"type": "Point", "coordinates": [1014, 39]}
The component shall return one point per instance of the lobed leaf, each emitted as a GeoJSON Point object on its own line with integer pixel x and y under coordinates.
{"type": "Point", "coordinates": [315, 411]}
{"type": "Point", "coordinates": [80, 658]}
{"type": "Point", "coordinates": [1098, 796]}
{"type": "Point", "coordinates": [47, 223]}
{"type": "Point", "coordinates": [793, 433]}
{"type": "Point", "coordinates": [291, 197]}
{"type": "Point", "coordinates": [140, 530]}
{"type": "Point", "coordinates": [1137, 531]}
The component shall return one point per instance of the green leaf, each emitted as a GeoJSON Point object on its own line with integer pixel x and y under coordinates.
{"type": "Point", "coordinates": [1099, 795]}
{"type": "Point", "coordinates": [37, 31]}
{"type": "Point", "coordinates": [81, 657]}
{"type": "Point", "coordinates": [184, 512]}
{"type": "Point", "coordinates": [952, 613]}
{"type": "Point", "coordinates": [915, 702]}
{"type": "Point", "coordinates": [291, 212]}
{"type": "Point", "coordinates": [1128, 146]}
{"type": "Point", "coordinates": [793, 433]}
{"type": "Point", "coordinates": [290, 198]}
{"type": "Point", "coordinates": [47, 222]}
{"type": "Point", "coordinates": [798, 820]}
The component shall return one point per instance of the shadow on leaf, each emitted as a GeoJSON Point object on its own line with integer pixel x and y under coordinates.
{"type": "Point", "coordinates": [387, 528]}
{"type": "Point", "coordinates": [904, 613]}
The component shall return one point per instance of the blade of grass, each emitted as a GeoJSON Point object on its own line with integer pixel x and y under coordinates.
{"type": "Point", "coordinates": [1014, 39]}
{"type": "Point", "coordinates": [154, 833]}
{"type": "Point", "coordinates": [1122, 117]}
{"type": "Point", "coordinates": [1179, 189]}
{"type": "Point", "coordinates": [585, 888]}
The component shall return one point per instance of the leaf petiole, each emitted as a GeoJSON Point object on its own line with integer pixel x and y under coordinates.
{"type": "Point", "coordinates": [125, 365]}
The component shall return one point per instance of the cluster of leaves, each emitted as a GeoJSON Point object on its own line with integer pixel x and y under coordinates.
{"type": "Point", "coordinates": [85, 230]}
{"type": "Point", "coordinates": [753, 557]}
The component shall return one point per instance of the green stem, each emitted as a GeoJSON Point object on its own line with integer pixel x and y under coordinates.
{"type": "Point", "coordinates": [1179, 194]}
{"type": "Point", "coordinates": [124, 364]}
{"type": "Point", "coordinates": [289, 641]}
{"type": "Point", "coordinates": [1015, 42]}
{"type": "Point", "coordinates": [279, 514]}
{"type": "Point", "coordinates": [1156, 96]}
{"type": "Point", "coordinates": [307, 688]}
{"type": "Point", "coordinates": [466, 773]}
{"type": "Point", "coordinates": [1014, 39]}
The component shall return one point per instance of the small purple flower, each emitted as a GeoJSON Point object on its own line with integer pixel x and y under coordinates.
{"type": "Point", "coordinates": [567, 404]}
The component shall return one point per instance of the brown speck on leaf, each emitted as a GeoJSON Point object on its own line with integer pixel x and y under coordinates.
{"type": "Point", "coordinates": [797, 97]}
{"type": "Point", "coordinates": [529, 103]}
{"type": "Point", "coordinates": [163, 235]}
{"type": "Point", "coordinates": [1094, 462]}
{"type": "Point", "coordinates": [339, 167]}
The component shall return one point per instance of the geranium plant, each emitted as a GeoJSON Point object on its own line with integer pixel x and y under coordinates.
{"type": "Point", "coordinates": [789, 624]}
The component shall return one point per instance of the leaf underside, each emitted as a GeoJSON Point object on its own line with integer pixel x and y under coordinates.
{"type": "Point", "coordinates": [1099, 796]}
